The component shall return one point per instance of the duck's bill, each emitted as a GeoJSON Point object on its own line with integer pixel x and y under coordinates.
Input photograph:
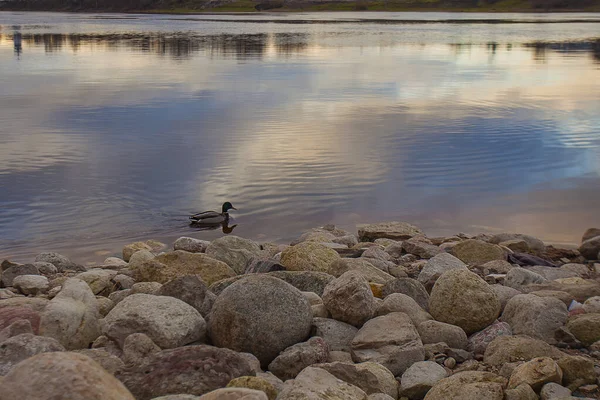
{"type": "Point", "coordinates": [233, 208]}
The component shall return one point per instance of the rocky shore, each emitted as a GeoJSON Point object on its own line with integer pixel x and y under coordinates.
{"type": "Point", "coordinates": [387, 313]}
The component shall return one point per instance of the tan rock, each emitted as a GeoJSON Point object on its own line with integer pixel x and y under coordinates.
{"type": "Point", "coordinates": [469, 385]}
{"type": "Point", "coordinates": [536, 373]}
{"type": "Point", "coordinates": [308, 256]}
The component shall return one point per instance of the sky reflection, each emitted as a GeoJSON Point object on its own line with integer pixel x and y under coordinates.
{"type": "Point", "coordinates": [116, 130]}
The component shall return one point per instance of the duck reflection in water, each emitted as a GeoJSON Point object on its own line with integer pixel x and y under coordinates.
{"type": "Point", "coordinates": [203, 226]}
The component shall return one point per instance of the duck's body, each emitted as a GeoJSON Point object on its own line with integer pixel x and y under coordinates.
{"type": "Point", "coordinates": [213, 217]}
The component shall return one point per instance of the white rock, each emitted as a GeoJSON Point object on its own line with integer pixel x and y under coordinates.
{"type": "Point", "coordinates": [31, 284]}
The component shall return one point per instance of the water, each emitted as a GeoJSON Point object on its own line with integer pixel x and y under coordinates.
{"type": "Point", "coordinates": [115, 127]}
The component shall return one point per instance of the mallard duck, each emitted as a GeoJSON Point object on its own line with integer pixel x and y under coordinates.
{"type": "Point", "coordinates": [213, 217]}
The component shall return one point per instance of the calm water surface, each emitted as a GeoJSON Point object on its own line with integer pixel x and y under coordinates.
{"type": "Point", "coordinates": [115, 127]}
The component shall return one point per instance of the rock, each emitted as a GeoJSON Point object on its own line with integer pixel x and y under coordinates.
{"type": "Point", "coordinates": [99, 280]}
{"type": "Point", "coordinates": [349, 299]}
{"type": "Point", "coordinates": [62, 376]}
{"type": "Point", "coordinates": [308, 256]}
{"type": "Point", "coordinates": [420, 378]}
{"type": "Point", "coordinates": [118, 296]}
{"type": "Point", "coordinates": [33, 303]}
{"type": "Point", "coordinates": [409, 287]}
{"type": "Point", "coordinates": [138, 348]}
{"type": "Point", "coordinates": [168, 321]}
{"type": "Point", "coordinates": [387, 230]}
{"type": "Point", "coordinates": [436, 332]}
{"type": "Point", "coordinates": [72, 316]}
{"type": "Point", "coordinates": [234, 394]}
{"type": "Point", "coordinates": [104, 343]}
{"type": "Point", "coordinates": [61, 262]}
{"type": "Point", "coordinates": [305, 281]}
{"type": "Point", "coordinates": [551, 273]}
{"type": "Point", "coordinates": [496, 267]}
{"type": "Point", "coordinates": [377, 253]}
{"type": "Point", "coordinates": [525, 260]}
{"type": "Point", "coordinates": [319, 310]}
{"type": "Point", "coordinates": [477, 252]}
{"type": "Point", "coordinates": [295, 358]}
{"type": "Point", "coordinates": [123, 282]}
{"type": "Point", "coordinates": [585, 327]}
{"type": "Point", "coordinates": [537, 317]}
{"type": "Point", "coordinates": [581, 290]}
{"type": "Point", "coordinates": [21, 347]}
{"type": "Point", "coordinates": [398, 302]}
{"type": "Point", "coordinates": [318, 384]}
{"type": "Point", "coordinates": [518, 245]}
{"type": "Point", "coordinates": [577, 370]}
{"type": "Point", "coordinates": [507, 349]}
{"type": "Point", "coordinates": [109, 362]}
{"type": "Point", "coordinates": [178, 397]}
{"type": "Point", "coordinates": [592, 305]}
{"type": "Point", "coordinates": [31, 284]}
{"type": "Point", "coordinates": [9, 275]}
{"type": "Point", "coordinates": [521, 392]}
{"type": "Point", "coordinates": [379, 396]}
{"type": "Point", "coordinates": [9, 315]}
{"type": "Point", "coordinates": [533, 244]}
{"type": "Point", "coordinates": [420, 248]}
{"type": "Point", "coordinates": [258, 265]}
{"type": "Point", "coordinates": [338, 335]}
{"type": "Point", "coordinates": [463, 299]}
{"type": "Point", "coordinates": [450, 363]}
{"type": "Point", "coordinates": [468, 385]}
{"type": "Point", "coordinates": [256, 383]}
{"type": "Point", "coordinates": [191, 245]}
{"type": "Point", "coordinates": [192, 290]}
{"type": "Point", "coordinates": [438, 265]}
{"type": "Point", "coordinates": [146, 288]}
{"type": "Point", "coordinates": [234, 251]}
{"type": "Point", "coordinates": [590, 233]}
{"type": "Point", "coordinates": [590, 248]}
{"type": "Point", "coordinates": [390, 340]}
{"type": "Point", "coordinates": [104, 305]}
{"type": "Point", "coordinates": [504, 294]}
{"type": "Point", "coordinates": [272, 379]}
{"type": "Point", "coordinates": [192, 370]}
{"type": "Point", "coordinates": [168, 266]}
{"type": "Point", "coordinates": [150, 245]}
{"type": "Point", "coordinates": [554, 391]}
{"type": "Point", "coordinates": [368, 376]}
{"type": "Point", "coordinates": [536, 373]}
{"type": "Point", "coordinates": [565, 297]}
{"type": "Point", "coordinates": [366, 269]}
{"type": "Point", "coordinates": [114, 263]}
{"type": "Point", "coordinates": [246, 311]}
{"type": "Point", "coordinates": [18, 327]}
{"type": "Point", "coordinates": [478, 342]}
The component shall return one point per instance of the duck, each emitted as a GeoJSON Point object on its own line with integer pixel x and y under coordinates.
{"type": "Point", "coordinates": [213, 217]}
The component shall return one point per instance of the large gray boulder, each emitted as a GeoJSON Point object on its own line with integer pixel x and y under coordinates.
{"type": "Point", "coordinates": [437, 332]}
{"type": "Point", "coordinates": [468, 385]}
{"type": "Point", "coordinates": [409, 287]}
{"type": "Point", "coordinates": [390, 340]}
{"type": "Point", "coordinates": [21, 347]}
{"type": "Point", "coordinates": [62, 376]}
{"type": "Point", "coordinates": [295, 358]}
{"type": "Point", "coordinates": [192, 290]}
{"type": "Point", "coordinates": [398, 302]}
{"type": "Point", "coordinates": [317, 384]}
{"type": "Point", "coordinates": [194, 370]}
{"type": "Point", "coordinates": [417, 380]}
{"type": "Point", "coordinates": [590, 248]}
{"type": "Point", "coordinates": [477, 252]}
{"type": "Point", "coordinates": [261, 315]}
{"type": "Point", "coordinates": [518, 278]}
{"type": "Point", "coordinates": [362, 265]}
{"type": "Point", "coordinates": [537, 317]}
{"type": "Point", "coordinates": [349, 299]}
{"type": "Point", "coordinates": [168, 321]}
{"type": "Point", "coordinates": [191, 245]}
{"type": "Point", "coordinates": [61, 262]}
{"type": "Point", "coordinates": [234, 251]}
{"type": "Point", "coordinates": [463, 299]}
{"type": "Point", "coordinates": [439, 264]}
{"type": "Point", "coordinates": [337, 334]}
{"type": "Point", "coordinates": [507, 349]}
{"type": "Point", "coordinates": [388, 230]}
{"type": "Point", "coordinates": [72, 316]}
{"type": "Point", "coordinates": [371, 377]}
{"type": "Point", "coordinates": [9, 275]}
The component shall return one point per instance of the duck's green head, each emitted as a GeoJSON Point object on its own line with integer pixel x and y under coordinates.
{"type": "Point", "coordinates": [228, 206]}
